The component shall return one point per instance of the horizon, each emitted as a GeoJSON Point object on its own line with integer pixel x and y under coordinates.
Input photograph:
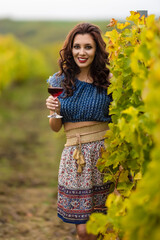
{"type": "Point", "coordinates": [72, 10]}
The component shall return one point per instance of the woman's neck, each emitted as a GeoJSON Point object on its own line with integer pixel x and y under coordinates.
{"type": "Point", "coordinates": [84, 76]}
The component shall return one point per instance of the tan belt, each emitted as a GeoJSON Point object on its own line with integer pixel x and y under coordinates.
{"type": "Point", "coordinates": [86, 134]}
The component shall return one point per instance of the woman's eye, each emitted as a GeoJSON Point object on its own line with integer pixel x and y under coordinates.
{"type": "Point", "coordinates": [76, 46]}
{"type": "Point", "coordinates": [88, 47]}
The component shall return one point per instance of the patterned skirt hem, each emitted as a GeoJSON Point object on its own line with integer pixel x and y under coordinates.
{"type": "Point", "coordinates": [72, 221]}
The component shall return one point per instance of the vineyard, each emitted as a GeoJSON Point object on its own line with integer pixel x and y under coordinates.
{"type": "Point", "coordinates": [29, 151]}
{"type": "Point", "coordinates": [131, 159]}
{"type": "Point", "coordinates": [132, 156]}
{"type": "Point", "coordinates": [18, 62]}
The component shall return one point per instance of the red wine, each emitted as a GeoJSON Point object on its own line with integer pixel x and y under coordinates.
{"type": "Point", "coordinates": [55, 91]}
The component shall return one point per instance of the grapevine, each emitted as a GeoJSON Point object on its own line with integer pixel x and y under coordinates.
{"type": "Point", "coordinates": [131, 155]}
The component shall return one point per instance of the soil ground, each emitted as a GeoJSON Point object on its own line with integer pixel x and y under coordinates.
{"type": "Point", "coordinates": [29, 160]}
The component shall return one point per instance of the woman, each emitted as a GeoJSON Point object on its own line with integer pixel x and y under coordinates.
{"type": "Point", "coordinates": [84, 106]}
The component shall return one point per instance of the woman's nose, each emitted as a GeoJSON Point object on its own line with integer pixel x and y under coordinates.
{"type": "Point", "coordinates": [82, 51]}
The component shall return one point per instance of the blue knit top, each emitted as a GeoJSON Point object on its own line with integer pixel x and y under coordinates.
{"type": "Point", "coordinates": [86, 104]}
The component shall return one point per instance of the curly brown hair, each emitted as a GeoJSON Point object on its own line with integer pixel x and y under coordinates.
{"type": "Point", "coordinates": [98, 71]}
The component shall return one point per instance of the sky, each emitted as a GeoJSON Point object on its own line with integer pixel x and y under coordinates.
{"type": "Point", "coordinates": [74, 9]}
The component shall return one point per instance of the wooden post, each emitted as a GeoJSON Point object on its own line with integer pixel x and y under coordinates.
{"type": "Point", "coordinates": [143, 12]}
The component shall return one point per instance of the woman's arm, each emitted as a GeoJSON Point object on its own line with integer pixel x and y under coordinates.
{"type": "Point", "coordinates": [54, 105]}
{"type": "Point", "coordinates": [55, 124]}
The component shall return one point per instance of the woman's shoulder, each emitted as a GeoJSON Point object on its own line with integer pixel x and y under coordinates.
{"type": "Point", "coordinates": [56, 79]}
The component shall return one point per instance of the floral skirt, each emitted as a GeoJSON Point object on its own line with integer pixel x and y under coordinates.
{"type": "Point", "coordinates": [80, 194]}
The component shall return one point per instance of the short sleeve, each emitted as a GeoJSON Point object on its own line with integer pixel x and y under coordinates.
{"type": "Point", "coordinates": [55, 80]}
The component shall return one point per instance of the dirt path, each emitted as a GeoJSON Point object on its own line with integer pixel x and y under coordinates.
{"type": "Point", "coordinates": [30, 213]}
{"type": "Point", "coordinates": [29, 159]}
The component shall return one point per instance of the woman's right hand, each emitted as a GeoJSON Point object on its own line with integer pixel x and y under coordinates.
{"type": "Point", "coordinates": [53, 104]}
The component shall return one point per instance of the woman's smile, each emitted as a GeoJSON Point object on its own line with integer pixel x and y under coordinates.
{"type": "Point", "coordinates": [82, 60]}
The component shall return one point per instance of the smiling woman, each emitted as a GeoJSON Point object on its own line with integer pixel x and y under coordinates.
{"type": "Point", "coordinates": [84, 105]}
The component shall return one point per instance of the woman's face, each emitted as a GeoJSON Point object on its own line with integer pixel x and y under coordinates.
{"type": "Point", "coordinates": [83, 51]}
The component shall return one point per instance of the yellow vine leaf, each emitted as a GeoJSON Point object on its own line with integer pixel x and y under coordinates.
{"type": "Point", "coordinates": [109, 133]}
{"type": "Point", "coordinates": [138, 176]}
{"type": "Point", "coordinates": [113, 35]}
{"type": "Point", "coordinates": [133, 17]}
{"type": "Point", "coordinates": [130, 111]}
{"type": "Point", "coordinates": [122, 25]}
{"type": "Point", "coordinates": [111, 198]}
{"type": "Point", "coordinates": [123, 176]}
{"type": "Point", "coordinates": [150, 20]}
{"type": "Point", "coordinates": [142, 20]}
{"type": "Point", "coordinates": [112, 23]}
{"type": "Point", "coordinates": [110, 236]}
{"type": "Point", "coordinates": [149, 35]}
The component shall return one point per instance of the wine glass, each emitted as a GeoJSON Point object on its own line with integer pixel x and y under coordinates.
{"type": "Point", "coordinates": [55, 92]}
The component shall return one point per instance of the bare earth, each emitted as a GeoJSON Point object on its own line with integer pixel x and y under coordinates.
{"type": "Point", "coordinates": [31, 214]}
{"type": "Point", "coordinates": [29, 160]}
